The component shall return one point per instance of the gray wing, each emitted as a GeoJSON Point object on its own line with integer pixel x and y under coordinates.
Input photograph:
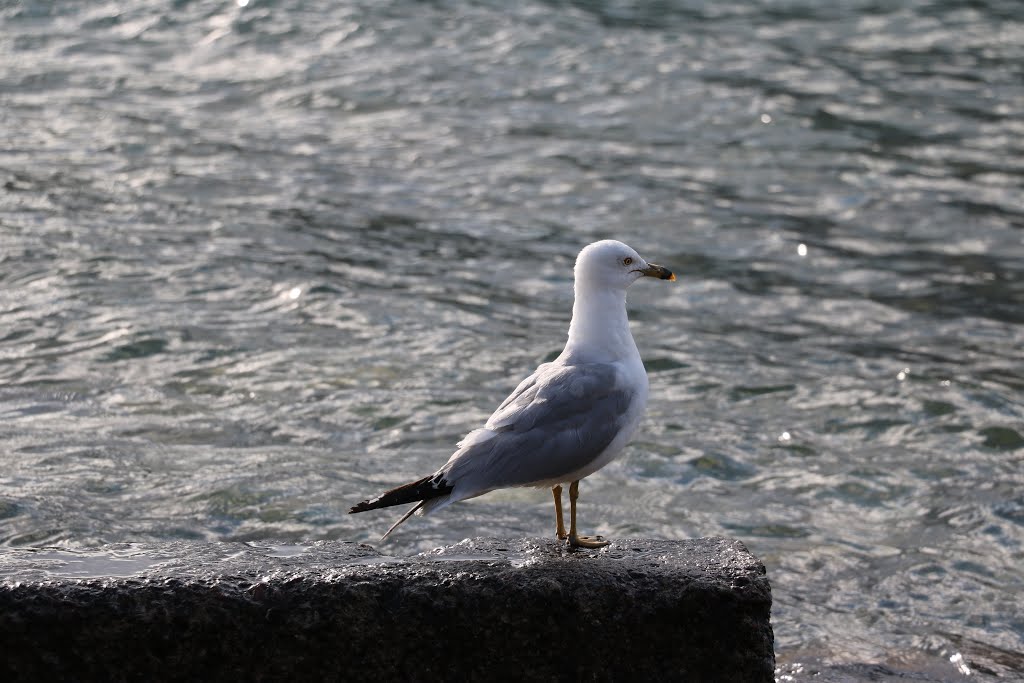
{"type": "Point", "coordinates": [555, 423]}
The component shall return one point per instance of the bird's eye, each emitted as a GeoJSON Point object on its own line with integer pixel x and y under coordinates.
{"type": "Point", "coordinates": [627, 261]}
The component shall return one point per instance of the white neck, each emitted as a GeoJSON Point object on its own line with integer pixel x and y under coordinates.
{"type": "Point", "coordinates": [599, 331]}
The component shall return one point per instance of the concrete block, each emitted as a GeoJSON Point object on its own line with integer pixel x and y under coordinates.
{"type": "Point", "coordinates": [482, 609]}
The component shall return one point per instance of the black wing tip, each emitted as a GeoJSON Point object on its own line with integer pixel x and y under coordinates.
{"type": "Point", "coordinates": [426, 488]}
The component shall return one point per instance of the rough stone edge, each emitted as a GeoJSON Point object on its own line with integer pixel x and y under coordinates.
{"type": "Point", "coordinates": [335, 591]}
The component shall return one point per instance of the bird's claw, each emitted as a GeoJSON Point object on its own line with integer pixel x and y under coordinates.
{"type": "Point", "coordinates": [587, 541]}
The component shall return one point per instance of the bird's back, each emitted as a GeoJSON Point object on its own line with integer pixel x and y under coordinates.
{"type": "Point", "coordinates": [558, 422]}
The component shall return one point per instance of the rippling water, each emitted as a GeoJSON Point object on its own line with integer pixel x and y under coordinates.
{"type": "Point", "coordinates": [258, 259]}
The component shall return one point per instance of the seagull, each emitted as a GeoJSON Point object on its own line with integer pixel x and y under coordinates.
{"type": "Point", "coordinates": [568, 419]}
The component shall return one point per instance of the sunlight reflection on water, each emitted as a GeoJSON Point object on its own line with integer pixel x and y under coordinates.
{"type": "Point", "coordinates": [261, 259]}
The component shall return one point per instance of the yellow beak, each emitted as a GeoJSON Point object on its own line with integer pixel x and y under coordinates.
{"type": "Point", "coordinates": [660, 272]}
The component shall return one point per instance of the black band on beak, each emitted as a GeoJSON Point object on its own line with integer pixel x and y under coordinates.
{"type": "Point", "coordinates": [660, 272]}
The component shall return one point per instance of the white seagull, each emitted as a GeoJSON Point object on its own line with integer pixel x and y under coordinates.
{"type": "Point", "coordinates": [568, 419]}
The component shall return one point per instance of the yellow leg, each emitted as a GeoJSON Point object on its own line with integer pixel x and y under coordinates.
{"type": "Point", "coordinates": [574, 540]}
{"type": "Point", "coordinates": [557, 492]}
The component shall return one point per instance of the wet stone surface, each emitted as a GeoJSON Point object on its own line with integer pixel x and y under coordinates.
{"type": "Point", "coordinates": [494, 609]}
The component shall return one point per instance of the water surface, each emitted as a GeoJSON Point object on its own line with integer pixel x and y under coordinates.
{"type": "Point", "coordinates": [261, 259]}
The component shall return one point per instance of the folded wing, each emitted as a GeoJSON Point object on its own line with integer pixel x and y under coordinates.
{"type": "Point", "coordinates": [556, 422]}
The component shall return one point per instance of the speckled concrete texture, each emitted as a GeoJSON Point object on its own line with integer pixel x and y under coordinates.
{"type": "Point", "coordinates": [482, 609]}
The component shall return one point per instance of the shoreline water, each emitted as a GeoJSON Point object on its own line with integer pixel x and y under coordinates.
{"type": "Point", "coordinates": [259, 258]}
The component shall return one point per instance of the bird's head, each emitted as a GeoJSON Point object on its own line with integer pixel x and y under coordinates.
{"type": "Point", "coordinates": [614, 265]}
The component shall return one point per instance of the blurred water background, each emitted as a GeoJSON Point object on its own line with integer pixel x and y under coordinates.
{"type": "Point", "coordinates": [260, 259]}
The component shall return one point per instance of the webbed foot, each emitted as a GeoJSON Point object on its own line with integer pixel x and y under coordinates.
{"type": "Point", "coordinates": [587, 541]}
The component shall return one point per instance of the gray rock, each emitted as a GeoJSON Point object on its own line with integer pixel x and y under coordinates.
{"type": "Point", "coordinates": [482, 609]}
